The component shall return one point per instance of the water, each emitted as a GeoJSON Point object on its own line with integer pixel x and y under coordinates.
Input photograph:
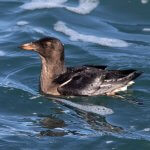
{"type": "Point", "coordinates": [114, 33]}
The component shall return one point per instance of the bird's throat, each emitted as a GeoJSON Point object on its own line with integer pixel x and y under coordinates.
{"type": "Point", "coordinates": [49, 71]}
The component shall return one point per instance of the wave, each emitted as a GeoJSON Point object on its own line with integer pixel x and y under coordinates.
{"type": "Point", "coordinates": [76, 36]}
{"type": "Point", "coordinates": [17, 85]}
{"type": "Point", "coordinates": [84, 7]}
{"type": "Point", "coordinates": [10, 83]}
{"type": "Point", "coordinates": [40, 4]}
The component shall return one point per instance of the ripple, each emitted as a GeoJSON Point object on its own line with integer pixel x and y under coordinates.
{"type": "Point", "coordinates": [75, 36]}
{"type": "Point", "coordinates": [11, 126]}
{"type": "Point", "coordinates": [17, 85]}
{"type": "Point", "coordinates": [84, 7]}
{"type": "Point", "coordinates": [40, 4]}
{"type": "Point", "coordinates": [108, 25]}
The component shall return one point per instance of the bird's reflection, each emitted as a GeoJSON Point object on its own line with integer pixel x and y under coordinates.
{"type": "Point", "coordinates": [95, 120]}
{"type": "Point", "coordinates": [128, 96]}
{"type": "Point", "coordinates": [49, 123]}
{"type": "Point", "coordinates": [100, 124]}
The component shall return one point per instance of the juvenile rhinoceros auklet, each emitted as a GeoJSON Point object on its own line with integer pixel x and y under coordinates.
{"type": "Point", "coordinates": [87, 80]}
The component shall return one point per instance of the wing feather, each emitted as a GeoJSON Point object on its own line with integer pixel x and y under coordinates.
{"type": "Point", "coordinates": [92, 81]}
{"type": "Point", "coordinates": [83, 83]}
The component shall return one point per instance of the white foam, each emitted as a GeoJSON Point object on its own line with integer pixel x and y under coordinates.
{"type": "Point", "coordinates": [144, 1]}
{"type": "Point", "coordinates": [2, 53]}
{"type": "Point", "coordinates": [84, 7]}
{"type": "Point", "coordinates": [147, 130]}
{"type": "Point", "coordinates": [22, 23]}
{"type": "Point", "coordinates": [34, 113]}
{"type": "Point", "coordinates": [75, 36]}
{"type": "Point", "coordinates": [40, 4]}
{"type": "Point", "coordinates": [109, 142]}
{"type": "Point", "coordinates": [146, 29]}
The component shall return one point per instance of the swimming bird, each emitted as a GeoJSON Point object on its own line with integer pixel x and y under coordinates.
{"type": "Point", "coordinates": [87, 80]}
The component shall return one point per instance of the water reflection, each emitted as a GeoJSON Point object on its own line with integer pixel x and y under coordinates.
{"type": "Point", "coordinates": [52, 122]}
{"type": "Point", "coordinates": [93, 115]}
{"type": "Point", "coordinates": [100, 124]}
{"type": "Point", "coordinates": [52, 133]}
{"type": "Point", "coordinates": [128, 96]}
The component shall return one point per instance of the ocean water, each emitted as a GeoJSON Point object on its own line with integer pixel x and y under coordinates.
{"type": "Point", "coordinates": [107, 32]}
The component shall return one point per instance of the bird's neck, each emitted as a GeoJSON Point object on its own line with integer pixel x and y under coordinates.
{"type": "Point", "coordinates": [49, 71]}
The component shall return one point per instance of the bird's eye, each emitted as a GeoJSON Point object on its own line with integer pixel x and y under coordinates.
{"type": "Point", "coordinates": [48, 43]}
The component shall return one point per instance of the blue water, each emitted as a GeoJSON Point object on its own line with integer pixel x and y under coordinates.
{"type": "Point", "coordinates": [114, 33]}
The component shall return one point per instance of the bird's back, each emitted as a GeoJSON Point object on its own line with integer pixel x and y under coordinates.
{"type": "Point", "coordinates": [91, 80]}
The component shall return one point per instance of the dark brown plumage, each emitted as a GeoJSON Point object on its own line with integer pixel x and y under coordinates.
{"type": "Point", "coordinates": [87, 80]}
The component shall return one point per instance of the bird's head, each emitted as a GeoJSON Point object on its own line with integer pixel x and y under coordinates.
{"type": "Point", "coordinates": [48, 47]}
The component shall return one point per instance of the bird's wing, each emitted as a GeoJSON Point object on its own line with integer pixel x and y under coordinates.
{"type": "Point", "coordinates": [97, 66]}
{"type": "Point", "coordinates": [117, 80]}
{"type": "Point", "coordinates": [82, 83]}
{"type": "Point", "coordinates": [71, 71]}
{"type": "Point", "coordinates": [117, 74]}
{"type": "Point", "coordinates": [96, 82]}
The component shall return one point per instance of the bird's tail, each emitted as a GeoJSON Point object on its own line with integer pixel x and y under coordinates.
{"type": "Point", "coordinates": [132, 76]}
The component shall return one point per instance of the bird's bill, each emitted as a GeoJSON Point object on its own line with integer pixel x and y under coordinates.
{"type": "Point", "coordinates": [28, 46]}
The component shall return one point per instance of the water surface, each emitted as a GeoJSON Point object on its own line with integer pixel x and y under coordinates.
{"type": "Point", "coordinates": [114, 33]}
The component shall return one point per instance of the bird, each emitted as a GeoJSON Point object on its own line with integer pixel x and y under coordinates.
{"type": "Point", "coordinates": [88, 80]}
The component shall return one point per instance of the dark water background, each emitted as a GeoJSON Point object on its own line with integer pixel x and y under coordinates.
{"type": "Point", "coordinates": [110, 32]}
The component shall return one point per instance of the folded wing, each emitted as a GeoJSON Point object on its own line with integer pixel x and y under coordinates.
{"type": "Point", "coordinates": [94, 81]}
